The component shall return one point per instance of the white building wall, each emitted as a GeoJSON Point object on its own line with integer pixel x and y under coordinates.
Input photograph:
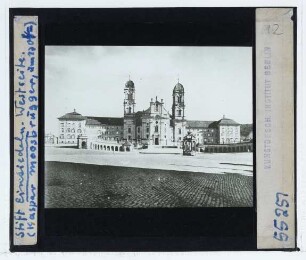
{"type": "Point", "coordinates": [229, 134]}
{"type": "Point", "coordinates": [129, 129]}
{"type": "Point", "coordinates": [69, 131]}
{"type": "Point", "coordinates": [95, 131]}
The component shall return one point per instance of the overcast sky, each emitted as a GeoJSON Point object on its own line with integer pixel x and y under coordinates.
{"type": "Point", "coordinates": [91, 79]}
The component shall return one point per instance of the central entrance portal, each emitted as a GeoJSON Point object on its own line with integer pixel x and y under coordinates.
{"type": "Point", "coordinates": [156, 141]}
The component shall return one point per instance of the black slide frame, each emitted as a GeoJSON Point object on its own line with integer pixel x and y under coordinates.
{"type": "Point", "coordinates": [158, 229]}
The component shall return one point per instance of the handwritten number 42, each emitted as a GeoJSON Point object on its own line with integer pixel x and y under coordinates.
{"type": "Point", "coordinates": [273, 29]}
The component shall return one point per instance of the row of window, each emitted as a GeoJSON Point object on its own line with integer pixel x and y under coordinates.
{"type": "Point", "coordinates": [229, 130]}
{"type": "Point", "coordinates": [148, 128]}
{"type": "Point", "coordinates": [209, 130]}
{"type": "Point", "coordinates": [68, 136]}
{"type": "Point", "coordinates": [69, 142]}
{"type": "Point", "coordinates": [211, 140]}
{"type": "Point", "coordinates": [205, 130]}
{"type": "Point", "coordinates": [71, 124]}
{"type": "Point", "coordinates": [109, 138]}
{"type": "Point", "coordinates": [208, 135]}
{"type": "Point", "coordinates": [80, 125]}
{"type": "Point", "coordinates": [231, 133]}
{"type": "Point", "coordinates": [110, 133]}
{"type": "Point", "coordinates": [103, 127]}
{"type": "Point", "coordinates": [72, 130]}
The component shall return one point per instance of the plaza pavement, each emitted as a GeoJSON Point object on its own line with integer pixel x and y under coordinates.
{"type": "Point", "coordinates": [217, 163]}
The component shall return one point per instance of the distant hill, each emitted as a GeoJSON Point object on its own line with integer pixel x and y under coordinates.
{"type": "Point", "coordinates": [245, 129]}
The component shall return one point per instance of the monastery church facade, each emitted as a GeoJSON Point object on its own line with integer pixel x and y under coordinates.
{"type": "Point", "coordinates": [153, 126]}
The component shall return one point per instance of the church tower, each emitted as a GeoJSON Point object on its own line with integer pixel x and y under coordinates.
{"type": "Point", "coordinates": [129, 127]}
{"type": "Point", "coordinates": [178, 114]}
{"type": "Point", "coordinates": [178, 105]}
{"type": "Point", "coordinates": [129, 98]}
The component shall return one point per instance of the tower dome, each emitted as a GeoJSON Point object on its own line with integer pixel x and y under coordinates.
{"type": "Point", "coordinates": [178, 88]}
{"type": "Point", "coordinates": [129, 84]}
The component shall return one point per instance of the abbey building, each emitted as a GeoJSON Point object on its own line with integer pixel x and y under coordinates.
{"type": "Point", "coordinates": [154, 125]}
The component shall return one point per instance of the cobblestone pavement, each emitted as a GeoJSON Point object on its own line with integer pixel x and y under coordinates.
{"type": "Point", "coordinates": [72, 185]}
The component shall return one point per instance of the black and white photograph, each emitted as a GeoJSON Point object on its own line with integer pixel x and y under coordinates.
{"type": "Point", "coordinates": [148, 127]}
{"type": "Point", "coordinates": [153, 128]}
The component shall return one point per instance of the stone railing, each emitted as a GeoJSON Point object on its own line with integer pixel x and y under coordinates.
{"type": "Point", "coordinates": [111, 146]}
{"type": "Point", "coordinates": [227, 148]}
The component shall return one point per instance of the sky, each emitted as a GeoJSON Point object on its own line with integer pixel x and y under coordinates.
{"type": "Point", "coordinates": [91, 79]}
